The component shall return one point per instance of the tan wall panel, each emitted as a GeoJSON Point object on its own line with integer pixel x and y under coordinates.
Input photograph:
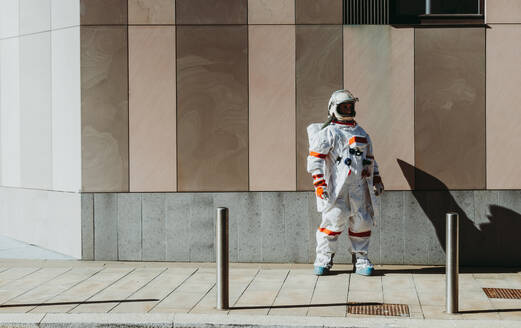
{"type": "Point", "coordinates": [318, 11]}
{"type": "Point", "coordinates": [152, 115]}
{"type": "Point", "coordinates": [104, 108]}
{"type": "Point", "coordinates": [379, 70]}
{"type": "Point", "coordinates": [503, 11]}
{"type": "Point", "coordinates": [103, 12]}
{"type": "Point", "coordinates": [503, 107]}
{"type": "Point", "coordinates": [211, 11]}
{"type": "Point", "coordinates": [272, 107]}
{"type": "Point", "coordinates": [271, 11]}
{"type": "Point", "coordinates": [319, 74]}
{"type": "Point", "coordinates": [212, 107]}
{"type": "Point", "coordinates": [151, 11]}
{"type": "Point", "coordinates": [450, 107]}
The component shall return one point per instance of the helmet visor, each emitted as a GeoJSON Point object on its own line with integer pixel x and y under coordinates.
{"type": "Point", "coordinates": [346, 109]}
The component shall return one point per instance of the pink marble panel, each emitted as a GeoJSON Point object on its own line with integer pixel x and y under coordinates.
{"type": "Point", "coordinates": [449, 120]}
{"type": "Point", "coordinates": [503, 11]}
{"type": "Point", "coordinates": [503, 107]}
{"type": "Point", "coordinates": [318, 74]}
{"type": "Point", "coordinates": [212, 107]}
{"type": "Point", "coordinates": [211, 11]}
{"type": "Point", "coordinates": [103, 12]}
{"type": "Point", "coordinates": [318, 11]}
{"type": "Point", "coordinates": [271, 11]}
{"type": "Point", "coordinates": [379, 70]}
{"type": "Point", "coordinates": [151, 11]}
{"type": "Point", "coordinates": [152, 108]}
{"type": "Point", "coordinates": [272, 107]}
{"type": "Point", "coordinates": [104, 108]}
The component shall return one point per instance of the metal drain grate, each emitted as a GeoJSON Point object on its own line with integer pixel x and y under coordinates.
{"type": "Point", "coordinates": [399, 310]}
{"type": "Point", "coordinates": [503, 293]}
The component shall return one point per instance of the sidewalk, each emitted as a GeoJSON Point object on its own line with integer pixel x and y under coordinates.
{"type": "Point", "coordinates": [270, 295]}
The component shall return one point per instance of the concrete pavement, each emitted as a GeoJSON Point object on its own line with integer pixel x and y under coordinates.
{"type": "Point", "coordinates": [162, 293]}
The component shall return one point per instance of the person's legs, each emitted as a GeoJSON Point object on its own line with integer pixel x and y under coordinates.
{"type": "Point", "coordinates": [360, 224]}
{"type": "Point", "coordinates": [333, 223]}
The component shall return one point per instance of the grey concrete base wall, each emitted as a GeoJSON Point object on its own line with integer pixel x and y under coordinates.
{"type": "Point", "coordinates": [281, 226]}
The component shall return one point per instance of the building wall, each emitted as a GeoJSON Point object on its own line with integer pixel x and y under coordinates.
{"type": "Point", "coordinates": [231, 115]}
{"type": "Point", "coordinates": [40, 145]}
{"type": "Point", "coordinates": [194, 101]}
{"type": "Point", "coordinates": [280, 227]}
{"type": "Point", "coordinates": [40, 123]}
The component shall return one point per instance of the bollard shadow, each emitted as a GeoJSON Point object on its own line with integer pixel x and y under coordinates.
{"type": "Point", "coordinates": [492, 243]}
{"type": "Point", "coordinates": [379, 271]}
{"type": "Point", "coordinates": [289, 306]}
{"type": "Point", "coordinates": [79, 302]}
{"type": "Point", "coordinates": [486, 311]}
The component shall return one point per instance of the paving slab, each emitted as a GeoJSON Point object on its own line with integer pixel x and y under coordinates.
{"type": "Point", "coordinates": [330, 296]}
{"type": "Point", "coordinates": [41, 294]}
{"type": "Point", "coordinates": [119, 291]}
{"type": "Point", "coordinates": [83, 291]}
{"type": "Point", "coordinates": [161, 286]}
{"type": "Point", "coordinates": [240, 279]}
{"type": "Point", "coordinates": [261, 293]}
{"type": "Point", "coordinates": [163, 294]}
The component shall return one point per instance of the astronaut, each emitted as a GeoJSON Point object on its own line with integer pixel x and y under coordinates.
{"type": "Point", "coordinates": [346, 180]}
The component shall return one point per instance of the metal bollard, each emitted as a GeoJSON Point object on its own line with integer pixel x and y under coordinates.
{"type": "Point", "coordinates": [452, 266]}
{"type": "Point", "coordinates": [222, 258]}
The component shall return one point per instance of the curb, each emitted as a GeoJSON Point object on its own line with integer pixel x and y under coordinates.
{"type": "Point", "coordinates": [171, 320]}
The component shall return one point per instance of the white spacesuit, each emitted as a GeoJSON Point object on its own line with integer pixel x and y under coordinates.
{"type": "Point", "coordinates": [346, 180]}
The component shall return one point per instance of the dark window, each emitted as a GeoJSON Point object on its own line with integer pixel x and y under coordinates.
{"type": "Point", "coordinates": [409, 11]}
{"type": "Point", "coordinates": [405, 11]}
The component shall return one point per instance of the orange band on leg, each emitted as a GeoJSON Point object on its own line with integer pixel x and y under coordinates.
{"type": "Point", "coordinates": [329, 232]}
{"type": "Point", "coordinates": [360, 234]}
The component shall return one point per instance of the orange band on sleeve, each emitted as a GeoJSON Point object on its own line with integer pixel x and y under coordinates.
{"type": "Point", "coordinates": [357, 139]}
{"type": "Point", "coordinates": [319, 155]}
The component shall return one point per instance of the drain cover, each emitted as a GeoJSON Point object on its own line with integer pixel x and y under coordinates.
{"type": "Point", "coordinates": [399, 310]}
{"type": "Point", "coordinates": [503, 293]}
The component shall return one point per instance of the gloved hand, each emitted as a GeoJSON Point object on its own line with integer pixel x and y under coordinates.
{"type": "Point", "coordinates": [378, 185]}
{"type": "Point", "coordinates": [320, 186]}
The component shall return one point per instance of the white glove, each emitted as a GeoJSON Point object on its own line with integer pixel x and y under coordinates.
{"type": "Point", "coordinates": [320, 186]}
{"type": "Point", "coordinates": [378, 185]}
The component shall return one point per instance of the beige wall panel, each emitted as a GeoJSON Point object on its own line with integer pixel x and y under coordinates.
{"type": "Point", "coordinates": [271, 11]}
{"type": "Point", "coordinates": [318, 11]}
{"type": "Point", "coordinates": [103, 12]}
{"type": "Point", "coordinates": [503, 11]}
{"type": "Point", "coordinates": [272, 107]}
{"type": "Point", "coordinates": [450, 107]}
{"type": "Point", "coordinates": [503, 107]}
{"type": "Point", "coordinates": [152, 116]}
{"type": "Point", "coordinates": [151, 11]}
{"type": "Point", "coordinates": [104, 108]}
{"type": "Point", "coordinates": [319, 74]}
{"type": "Point", "coordinates": [379, 70]}
{"type": "Point", "coordinates": [211, 11]}
{"type": "Point", "coordinates": [212, 107]}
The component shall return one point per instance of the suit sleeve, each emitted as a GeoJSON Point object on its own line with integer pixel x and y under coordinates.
{"type": "Point", "coordinates": [370, 155]}
{"type": "Point", "coordinates": [319, 148]}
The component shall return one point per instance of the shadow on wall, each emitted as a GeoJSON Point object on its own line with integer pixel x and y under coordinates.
{"type": "Point", "coordinates": [496, 242]}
